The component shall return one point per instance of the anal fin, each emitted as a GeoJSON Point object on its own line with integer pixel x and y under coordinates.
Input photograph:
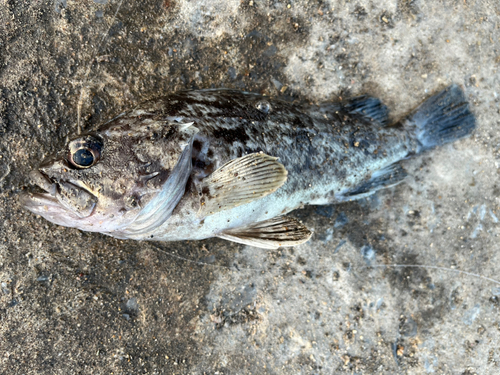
{"type": "Point", "coordinates": [381, 179]}
{"type": "Point", "coordinates": [241, 181]}
{"type": "Point", "coordinates": [270, 234]}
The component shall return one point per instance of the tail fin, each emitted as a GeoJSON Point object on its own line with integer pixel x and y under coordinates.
{"type": "Point", "coordinates": [443, 118]}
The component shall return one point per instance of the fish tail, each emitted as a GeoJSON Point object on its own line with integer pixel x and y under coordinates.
{"type": "Point", "coordinates": [443, 118]}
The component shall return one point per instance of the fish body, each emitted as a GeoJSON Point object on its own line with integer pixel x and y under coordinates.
{"type": "Point", "coordinates": [223, 163]}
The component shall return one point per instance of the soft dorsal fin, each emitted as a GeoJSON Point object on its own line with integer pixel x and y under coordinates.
{"type": "Point", "coordinates": [368, 107]}
{"type": "Point", "coordinates": [241, 181]}
{"type": "Point", "coordinates": [270, 234]}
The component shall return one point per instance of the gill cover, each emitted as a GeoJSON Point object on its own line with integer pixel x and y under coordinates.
{"type": "Point", "coordinates": [160, 208]}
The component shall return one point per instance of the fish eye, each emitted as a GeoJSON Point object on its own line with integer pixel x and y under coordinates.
{"type": "Point", "coordinates": [84, 152]}
{"type": "Point", "coordinates": [83, 157]}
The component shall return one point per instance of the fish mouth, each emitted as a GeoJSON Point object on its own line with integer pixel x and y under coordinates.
{"type": "Point", "coordinates": [34, 200]}
{"type": "Point", "coordinates": [61, 202]}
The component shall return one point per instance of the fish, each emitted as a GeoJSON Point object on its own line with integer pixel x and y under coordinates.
{"type": "Point", "coordinates": [223, 163]}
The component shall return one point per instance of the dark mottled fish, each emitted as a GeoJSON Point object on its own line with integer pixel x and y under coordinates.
{"type": "Point", "coordinates": [229, 164]}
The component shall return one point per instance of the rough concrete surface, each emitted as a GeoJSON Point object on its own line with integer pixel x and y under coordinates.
{"type": "Point", "coordinates": [83, 303]}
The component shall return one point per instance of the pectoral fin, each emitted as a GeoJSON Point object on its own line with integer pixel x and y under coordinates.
{"type": "Point", "coordinates": [270, 234]}
{"type": "Point", "coordinates": [241, 181]}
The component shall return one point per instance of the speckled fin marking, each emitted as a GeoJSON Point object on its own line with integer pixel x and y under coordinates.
{"type": "Point", "coordinates": [241, 181]}
{"type": "Point", "coordinates": [270, 234]}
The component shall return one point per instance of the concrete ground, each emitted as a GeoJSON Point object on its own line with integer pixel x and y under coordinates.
{"type": "Point", "coordinates": [405, 282]}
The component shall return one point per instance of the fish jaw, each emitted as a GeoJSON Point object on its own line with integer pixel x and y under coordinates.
{"type": "Point", "coordinates": [55, 205]}
{"type": "Point", "coordinates": [47, 206]}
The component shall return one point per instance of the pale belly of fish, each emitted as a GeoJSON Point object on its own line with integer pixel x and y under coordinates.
{"type": "Point", "coordinates": [229, 164]}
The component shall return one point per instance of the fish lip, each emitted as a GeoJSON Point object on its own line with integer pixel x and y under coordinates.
{"type": "Point", "coordinates": [32, 200]}
{"type": "Point", "coordinates": [39, 202]}
{"type": "Point", "coordinates": [43, 181]}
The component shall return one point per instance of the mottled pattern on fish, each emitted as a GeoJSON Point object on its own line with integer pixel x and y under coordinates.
{"type": "Point", "coordinates": [153, 177]}
{"type": "Point", "coordinates": [324, 146]}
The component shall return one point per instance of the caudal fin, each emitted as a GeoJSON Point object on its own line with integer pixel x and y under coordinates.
{"type": "Point", "coordinates": [443, 118]}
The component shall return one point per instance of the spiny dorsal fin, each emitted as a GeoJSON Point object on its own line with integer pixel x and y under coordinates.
{"type": "Point", "coordinates": [241, 181]}
{"type": "Point", "coordinates": [270, 234]}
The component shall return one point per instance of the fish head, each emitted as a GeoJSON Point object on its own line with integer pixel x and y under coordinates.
{"type": "Point", "coordinates": [101, 181]}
